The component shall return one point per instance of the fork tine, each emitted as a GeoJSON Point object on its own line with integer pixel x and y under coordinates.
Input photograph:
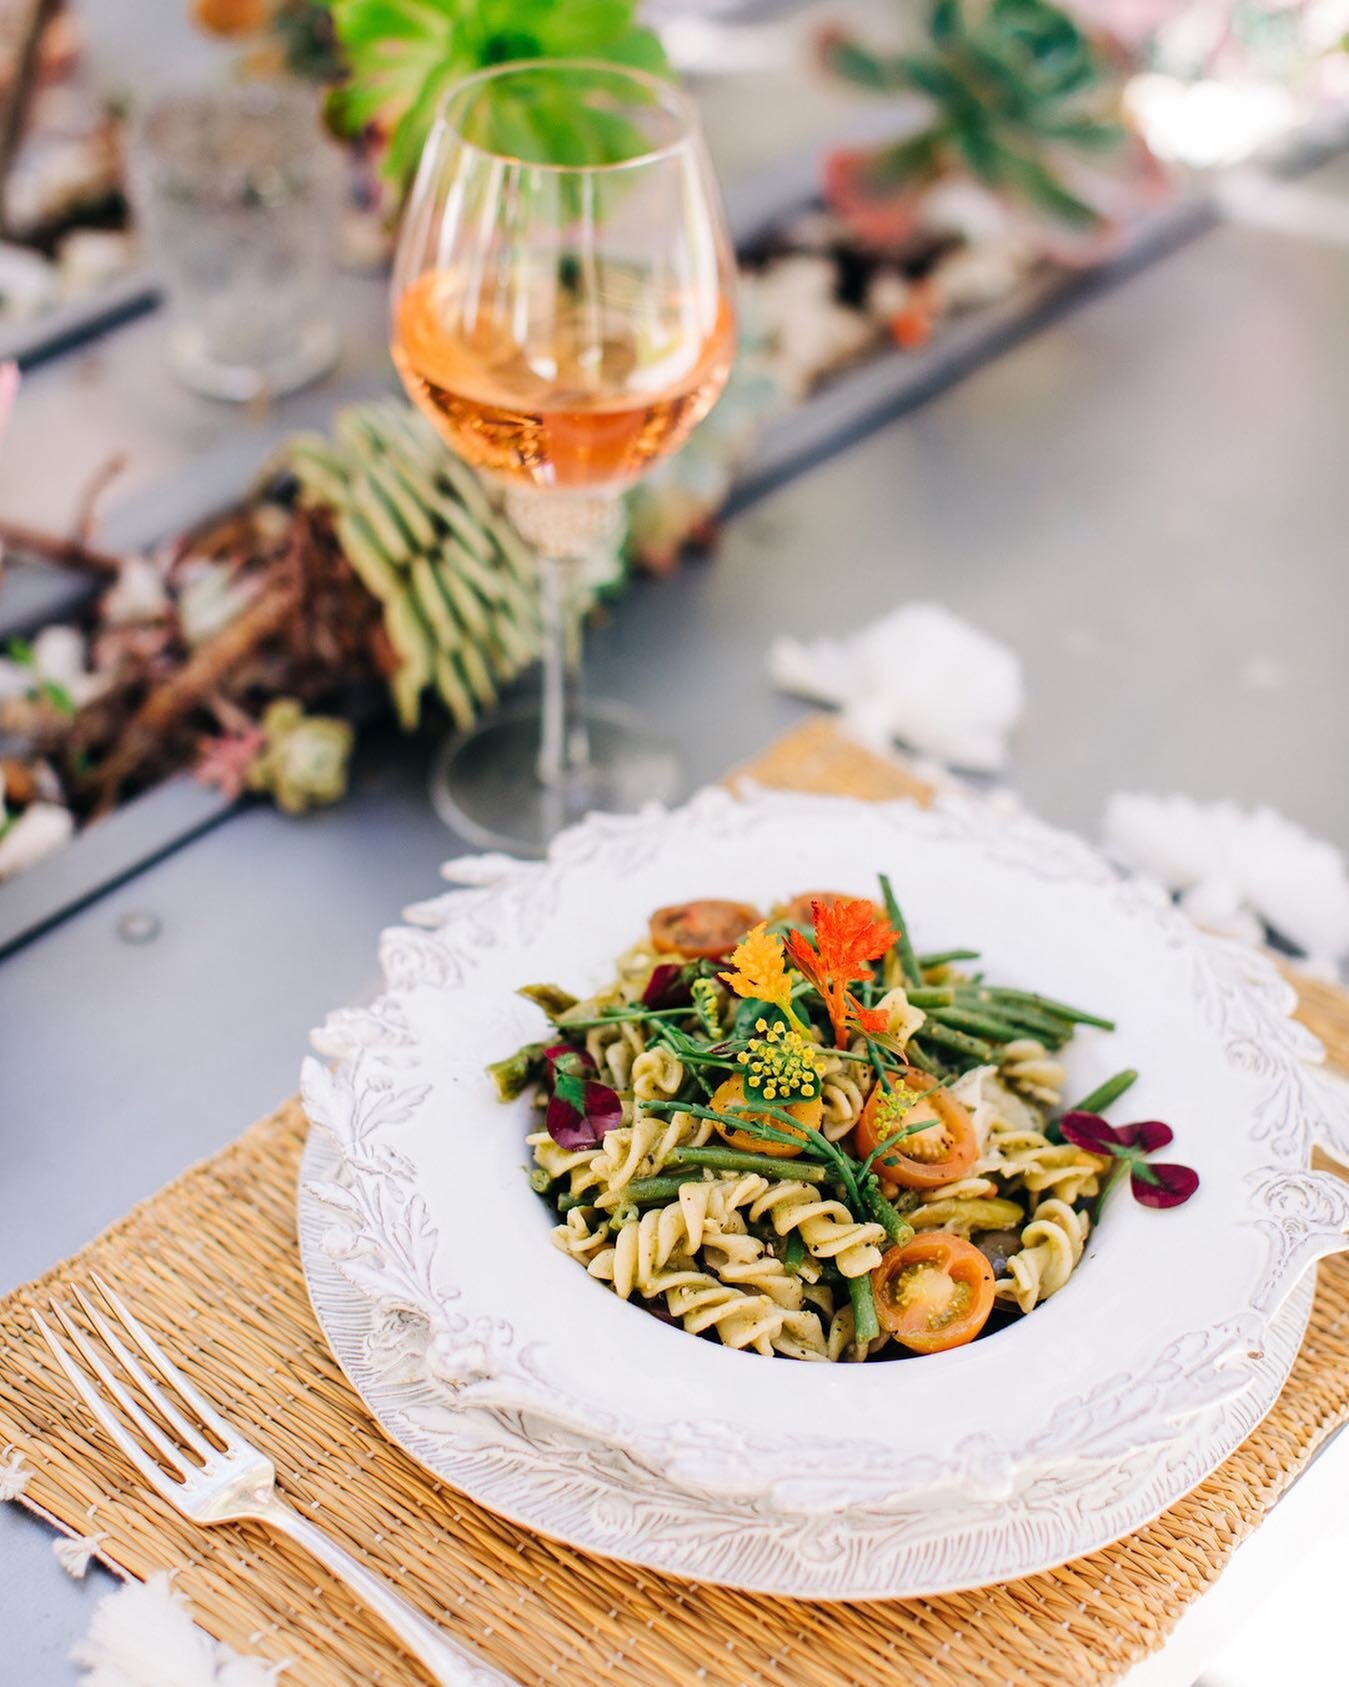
{"type": "Point", "coordinates": [98, 1406]}
{"type": "Point", "coordinates": [171, 1455]}
{"type": "Point", "coordinates": [205, 1411]}
{"type": "Point", "coordinates": [152, 1391]}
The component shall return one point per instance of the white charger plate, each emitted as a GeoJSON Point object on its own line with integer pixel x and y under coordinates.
{"type": "Point", "coordinates": [497, 1362]}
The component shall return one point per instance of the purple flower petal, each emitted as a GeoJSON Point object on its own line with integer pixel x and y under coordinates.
{"type": "Point", "coordinates": [1148, 1135]}
{"type": "Point", "coordinates": [569, 1127]}
{"type": "Point", "coordinates": [1089, 1131]}
{"type": "Point", "coordinates": [1172, 1185]}
{"type": "Point", "coordinates": [666, 987]}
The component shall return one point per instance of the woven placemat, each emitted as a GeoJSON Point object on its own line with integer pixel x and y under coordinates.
{"type": "Point", "coordinates": [212, 1266]}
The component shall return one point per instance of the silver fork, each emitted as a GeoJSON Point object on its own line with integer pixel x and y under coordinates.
{"type": "Point", "coordinates": [226, 1483]}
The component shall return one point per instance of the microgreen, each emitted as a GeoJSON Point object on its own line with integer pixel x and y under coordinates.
{"type": "Point", "coordinates": [1154, 1185]}
{"type": "Point", "coordinates": [580, 1108]}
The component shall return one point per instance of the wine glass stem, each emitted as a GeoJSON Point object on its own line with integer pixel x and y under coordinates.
{"type": "Point", "coordinates": [564, 748]}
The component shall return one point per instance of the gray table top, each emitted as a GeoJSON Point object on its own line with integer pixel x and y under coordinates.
{"type": "Point", "coordinates": [1144, 500]}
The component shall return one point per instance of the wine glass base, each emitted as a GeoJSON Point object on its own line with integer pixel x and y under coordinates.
{"type": "Point", "coordinates": [485, 785]}
{"type": "Point", "coordinates": [311, 352]}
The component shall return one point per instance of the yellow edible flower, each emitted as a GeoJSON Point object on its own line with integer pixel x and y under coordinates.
{"type": "Point", "coordinates": [761, 970]}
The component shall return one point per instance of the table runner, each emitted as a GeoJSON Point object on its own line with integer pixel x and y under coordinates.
{"type": "Point", "coordinates": [211, 1265]}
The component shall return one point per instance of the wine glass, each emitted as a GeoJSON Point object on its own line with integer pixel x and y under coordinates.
{"type": "Point", "coordinates": [562, 312]}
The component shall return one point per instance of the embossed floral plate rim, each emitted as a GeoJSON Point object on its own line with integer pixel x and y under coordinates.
{"type": "Point", "coordinates": [478, 1396]}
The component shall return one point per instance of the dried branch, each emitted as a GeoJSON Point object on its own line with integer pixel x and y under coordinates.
{"type": "Point", "coordinates": [86, 509]}
{"type": "Point", "coordinates": [197, 679]}
{"type": "Point", "coordinates": [14, 118]}
{"type": "Point", "coordinates": [55, 547]}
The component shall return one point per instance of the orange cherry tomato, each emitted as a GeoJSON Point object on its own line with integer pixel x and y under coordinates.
{"type": "Point", "coordinates": [934, 1292]}
{"type": "Point", "coordinates": [800, 912]}
{"type": "Point", "coordinates": [730, 1098]}
{"type": "Point", "coordinates": [939, 1154]}
{"type": "Point", "coordinates": [702, 929]}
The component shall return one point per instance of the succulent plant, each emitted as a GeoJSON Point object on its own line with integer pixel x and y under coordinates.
{"type": "Point", "coordinates": [1015, 88]}
{"type": "Point", "coordinates": [403, 54]}
{"type": "Point", "coordinates": [455, 584]}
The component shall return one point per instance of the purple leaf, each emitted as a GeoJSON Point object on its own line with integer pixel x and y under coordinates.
{"type": "Point", "coordinates": [604, 1109]}
{"type": "Point", "coordinates": [1147, 1136]}
{"type": "Point", "coordinates": [569, 1127]}
{"type": "Point", "coordinates": [666, 987]}
{"type": "Point", "coordinates": [1089, 1131]}
{"type": "Point", "coordinates": [560, 1051]}
{"type": "Point", "coordinates": [1170, 1185]}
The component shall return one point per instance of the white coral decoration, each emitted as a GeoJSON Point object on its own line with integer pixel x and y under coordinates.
{"type": "Point", "coordinates": [1237, 870]}
{"type": "Point", "coordinates": [139, 593]}
{"type": "Point", "coordinates": [144, 1636]}
{"type": "Point", "coordinates": [920, 674]}
{"type": "Point", "coordinates": [41, 830]}
{"type": "Point", "coordinates": [59, 656]}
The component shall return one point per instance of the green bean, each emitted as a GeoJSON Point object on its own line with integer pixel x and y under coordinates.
{"type": "Point", "coordinates": [1050, 1031]}
{"type": "Point", "coordinates": [881, 1212]}
{"type": "Point", "coordinates": [540, 1181]}
{"type": "Point", "coordinates": [866, 1326]}
{"type": "Point", "coordinates": [513, 1075]}
{"type": "Point", "coordinates": [932, 996]}
{"type": "Point", "coordinates": [1104, 1094]}
{"type": "Point", "coordinates": [907, 959]}
{"type": "Point", "coordinates": [924, 1062]}
{"type": "Point", "coordinates": [554, 1000]}
{"type": "Point", "coordinates": [943, 957]}
{"type": "Point", "coordinates": [794, 1254]}
{"type": "Point", "coordinates": [1058, 1010]}
{"type": "Point", "coordinates": [983, 1025]}
{"type": "Point", "coordinates": [957, 1041]}
{"type": "Point", "coordinates": [734, 1160]}
{"type": "Point", "coordinates": [565, 1203]}
{"type": "Point", "coordinates": [648, 1191]}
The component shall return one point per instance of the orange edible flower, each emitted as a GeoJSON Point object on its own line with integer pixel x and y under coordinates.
{"type": "Point", "coordinates": [760, 970]}
{"type": "Point", "coordinates": [849, 935]}
{"type": "Point", "coordinates": [873, 1021]}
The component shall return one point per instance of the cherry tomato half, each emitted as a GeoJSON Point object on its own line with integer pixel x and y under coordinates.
{"type": "Point", "coordinates": [799, 912]}
{"type": "Point", "coordinates": [730, 1098]}
{"type": "Point", "coordinates": [705, 928]}
{"type": "Point", "coordinates": [940, 1154]}
{"type": "Point", "coordinates": [934, 1292]}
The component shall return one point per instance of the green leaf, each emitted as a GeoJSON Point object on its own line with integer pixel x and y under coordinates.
{"type": "Point", "coordinates": [1038, 185]}
{"type": "Point", "coordinates": [57, 696]}
{"type": "Point", "coordinates": [859, 65]}
{"type": "Point", "coordinates": [19, 650]}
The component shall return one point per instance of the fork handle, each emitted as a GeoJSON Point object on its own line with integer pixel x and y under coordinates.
{"type": "Point", "coordinates": [450, 1664]}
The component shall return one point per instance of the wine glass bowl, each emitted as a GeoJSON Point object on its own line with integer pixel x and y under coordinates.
{"type": "Point", "coordinates": [562, 312]}
{"type": "Point", "coordinates": [564, 321]}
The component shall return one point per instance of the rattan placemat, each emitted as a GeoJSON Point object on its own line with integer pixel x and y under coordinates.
{"type": "Point", "coordinates": [212, 1266]}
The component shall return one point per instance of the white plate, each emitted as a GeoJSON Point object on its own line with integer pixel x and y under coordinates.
{"type": "Point", "coordinates": [507, 1371]}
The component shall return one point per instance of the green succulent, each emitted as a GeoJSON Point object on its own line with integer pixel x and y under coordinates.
{"type": "Point", "coordinates": [403, 54]}
{"type": "Point", "coordinates": [1013, 84]}
{"type": "Point", "coordinates": [303, 759]}
{"type": "Point", "coordinates": [456, 584]}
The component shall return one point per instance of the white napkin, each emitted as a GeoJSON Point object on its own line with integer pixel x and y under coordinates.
{"type": "Point", "coordinates": [1238, 870]}
{"type": "Point", "coordinates": [922, 675]}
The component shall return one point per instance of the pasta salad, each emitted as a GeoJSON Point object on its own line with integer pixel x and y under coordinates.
{"type": "Point", "coordinates": [794, 1133]}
